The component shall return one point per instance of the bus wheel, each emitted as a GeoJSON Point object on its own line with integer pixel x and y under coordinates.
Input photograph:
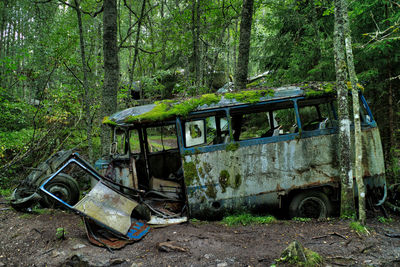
{"type": "Point", "coordinates": [310, 204]}
{"type": "Point", "coordinates": [64, 187]}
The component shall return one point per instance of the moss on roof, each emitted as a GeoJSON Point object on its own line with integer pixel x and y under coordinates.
{"type": "Point", "coordinates": [167, 109]}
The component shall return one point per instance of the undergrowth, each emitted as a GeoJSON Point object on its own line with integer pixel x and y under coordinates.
{"type": "Point", "coordinates": [359, 228]}
{"type": "Point", "coordinates": [247, 219]}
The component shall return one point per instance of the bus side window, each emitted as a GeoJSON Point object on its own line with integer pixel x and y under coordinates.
{"type": "Point", "coordinates": [315, 116]}
{"type": "Point", "coordinates": [270, 120]}
{"type": "Point", "coordinates": [209, 130]}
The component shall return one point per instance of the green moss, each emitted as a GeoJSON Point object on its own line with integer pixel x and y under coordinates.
{"type": "Point", "coordinates": [238, 181]}
{"type": "Point", "coordinates": [319, 89]}
{"type": "Point", "coordinates": [169, 108]}
{"type": "Point", "coordinates": [232, 147]}
{"type": "Point", "coordinates": [201, 172]}
{"type": "Point", "coordinates": [224, 180]}
{"type": "Point", "coordinates": [313, 258]}
{"type": "Point", "coordinates": [207, 167]}
{"type": "Point", "coordinates": [359, 86]}
{"type": "Point", "coordinates": [106, 120]}
{"type": "Point", "coordinates": [253, 84]}
{"type": "Point", "coordinates": [211, 191]}
{"type": "Point", "coordinates": [246, 219]}
{"type": "Point", "coordinates": [250, 96]}
{"type": "Point", "coordinates": [359, 228]}
{"type": "Point", "coordinates": [190, 172]}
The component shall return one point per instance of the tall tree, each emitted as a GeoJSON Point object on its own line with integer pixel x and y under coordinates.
{"type": "Point", "coordinates": [356, 114]}
{"type": "Point", "coordinates": [136, 46]}
{"type": "Point", "coordinates": [85, 83]}
{"type": "Point", "coordinates": [244, 44]}
{"type": "Point", "coordinates": [346, 174]}
{"type": "Point", "coordinates": [111, 68]}
{"type": "Point", "coordinates": [196, 40]}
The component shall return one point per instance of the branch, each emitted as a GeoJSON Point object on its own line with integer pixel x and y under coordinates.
{"type": "Point", "coordinates": [83, 11]}
{"type": "Point", "coordinates": [143, 50]}
{"type": "Point", "coordinates": [130, 32]}
{"type": "Point", "coordinates": [42, 2]}
{"type": "Point", "coordinates": [130, 9]}
{"type": "Point", "coordinates": [65, 64]}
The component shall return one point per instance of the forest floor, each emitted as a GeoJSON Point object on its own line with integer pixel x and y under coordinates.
{"type": "Point", "coordinates": [30, 240]}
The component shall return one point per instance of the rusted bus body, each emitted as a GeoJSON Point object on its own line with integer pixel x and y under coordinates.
{"type": "Point", "coordinates": [278, 152]}
{"type": "Point", "coordinates": [263, 174]}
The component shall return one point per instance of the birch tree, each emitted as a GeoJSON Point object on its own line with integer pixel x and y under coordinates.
{"type": "Point", "coordinates": [356, 111]}
{"type": "Point", "coordinates": [346, 173]}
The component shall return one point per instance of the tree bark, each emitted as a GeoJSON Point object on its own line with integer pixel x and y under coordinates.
{"type": "Point", "coordinates": [86, 92]}
{"type": "Point", "coordinates": [346, 173]}
{"type": "Point", "coordinates": [244, 45]}
{"type": "Point", "coordinates": [136, 51]}
{"type": "Point", "coordinates": [356, 114]}
{"type": "Point", "coordinates": [196, 40]}
{"type": "Point", "coordinates": [111, 69]}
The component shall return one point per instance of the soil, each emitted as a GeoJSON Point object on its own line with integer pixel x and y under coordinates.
{"type": "Point", "coordinates": [30, 240]}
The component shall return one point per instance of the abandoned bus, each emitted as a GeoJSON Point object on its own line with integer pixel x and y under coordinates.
{"type": "Point", "coordinates": [254, 150]}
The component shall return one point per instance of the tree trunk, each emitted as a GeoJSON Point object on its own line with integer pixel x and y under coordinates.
{"type": "Point", "coordinates": [86, 93]}
{"type": "Point", "coordinates": [196, 40]}
{"type": "Point", "coordinates": [111, 68]}
{"type": "Point", "coordinates": [136, 52]}
{"type": "Point", "coordinates": [356, 114]}
{"type": "Point", "coordinates": [346, 175]}
{"type": "Point", "coordinates": [244, 45]}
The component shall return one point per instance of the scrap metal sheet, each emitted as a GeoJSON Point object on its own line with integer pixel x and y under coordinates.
{"type": "Point", "coordinates": [108, 207]}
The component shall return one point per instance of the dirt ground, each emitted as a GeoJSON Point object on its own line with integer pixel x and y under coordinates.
{"type": "Point", "coordinates": [30, 240]}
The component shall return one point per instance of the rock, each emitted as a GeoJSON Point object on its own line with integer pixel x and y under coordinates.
{"type": "Point", "coordinates": [55, 254]}
{"type": "Point", "coordinates": [116, 262]}
{"type": "Point", "coordinates": [208, 256]}
{"type": "Point", "coordinates": [76, 261]}
{"type": "Point", "coordinates": [2, 264]}
{"type": "Point", "coordinates": [222, 264]}
{"type": "Point", "coordinates": [136, 264]}
{"type": "Point", "coordinates": [78, 246]}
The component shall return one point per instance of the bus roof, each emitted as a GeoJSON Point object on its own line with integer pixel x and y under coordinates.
{"type": "Point", "coordinates": [169, 109]}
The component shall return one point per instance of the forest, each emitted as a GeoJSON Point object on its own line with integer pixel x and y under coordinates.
{"type": "Point", "coordinates": [53, 74]}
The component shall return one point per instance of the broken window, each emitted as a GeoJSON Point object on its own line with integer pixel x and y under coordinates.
{"type": "Point", "coordinates": [208, 130]}
{"type": "Point", "coordinates": [315, 115]}
{"type": "Point", "coordinates": [119, 146]}
{"type": "Point", "coordinates": [162, 138]}
{"type": "Point", "coordinates": [134, 141]}
{"type": "Point", "coordinates": [264, 121]}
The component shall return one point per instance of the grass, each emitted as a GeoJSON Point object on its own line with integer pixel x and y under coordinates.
{"type": "Point", "coordinates": [247, 219]}
{"type": "Point", "coordinates": [300, 219]}
{"type": "Point", "coordinates": [6, 192]}
{"type": "Point", "coordinates": [313, 258]}
{"type": "Point", "coordinates": [384, 220]}
{"type": "Point", "coordinates": [359, 228]}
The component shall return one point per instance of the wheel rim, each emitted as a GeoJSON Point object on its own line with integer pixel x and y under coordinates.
{"type": "Point", "coordinates": [312, 207]}
{"type": "Point", "coordinates": [61, 192]}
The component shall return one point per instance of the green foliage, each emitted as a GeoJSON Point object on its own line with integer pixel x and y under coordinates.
{"type": "Point", "coordinates": [313, 258]}
{"type": "Point", "coordinates": [382, 219]}
{"type": "Point", "coordinates": [250, 96]}
{"type": "Point", "coordinates": [300, 219]}
{"type": "Point", "coordinates": [232, 146]}
{"type": "Point", "coordinates": [6, 192]}
{"type": "Point", "coordinates": [359, 228]}
{"type": "Point", "coordinates": [60, 233]}
{"type": "Point", "coordinates": [247, 219]}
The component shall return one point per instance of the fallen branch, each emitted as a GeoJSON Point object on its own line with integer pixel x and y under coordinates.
{"type": "Point", "coordinates": [169, 246]}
